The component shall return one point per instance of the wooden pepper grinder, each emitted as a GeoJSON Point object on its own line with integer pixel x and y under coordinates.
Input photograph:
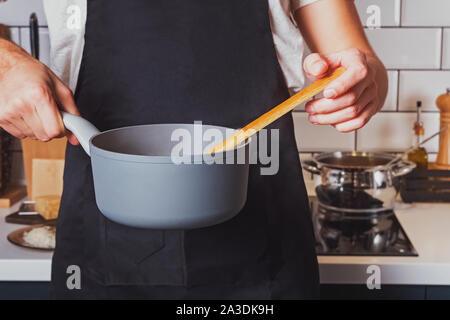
{"type": "Point", "coordinates": [443, 157]}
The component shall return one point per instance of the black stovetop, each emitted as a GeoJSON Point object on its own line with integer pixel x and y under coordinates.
{"type": "Point", "coordinates": [368, 234]}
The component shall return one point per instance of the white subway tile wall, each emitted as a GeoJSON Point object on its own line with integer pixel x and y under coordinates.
{"type": "Point", "coordinates": [413, 41]}
{"type": "Point", "coordinates": [422, 85]}
{"type": "Point", "coordinates": [426, 13]}
{"type": "Point", "coordinates": [391, 99]}
{"type": "Point", "coordinates": [15, 35]}
{"type": "Point", "coordinates": [311, 137]}
{"type": "Point", "coordinates": [432, 157]}
{"type": "Point", "coordinates": [446, 49]}
{"type": "Point", "coordinates": [389, 12]}
{"type": "Point", "coordinates": [407, 48]}
{"type": "Point", "coordinates": [17, 12]}
{"type": "Point", "coordinates": [393, 132]}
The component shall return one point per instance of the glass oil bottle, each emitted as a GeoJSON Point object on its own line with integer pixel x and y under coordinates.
{"type": "Point", "coordinates": [419, 154]}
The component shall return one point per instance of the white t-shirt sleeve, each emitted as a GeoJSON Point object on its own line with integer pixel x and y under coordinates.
{"type": "Point", "coordinates": [66, 23]}
{"type": "Point", "coordinates": [296, 4]}
{"type": "Point", "coordinates": [288, 41]}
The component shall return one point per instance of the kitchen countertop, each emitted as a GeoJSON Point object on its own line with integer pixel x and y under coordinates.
{"type": "Point", "coordinates": [17, 263]}
{"type": "Point", "coordinates": [427, 226]}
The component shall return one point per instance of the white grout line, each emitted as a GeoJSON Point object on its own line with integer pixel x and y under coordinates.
{"type": "Point", "coordinates": [442, 49]}
{"type": "Point", "coordinates": [398, 13]}
{"type": "Point", "coordinates": [397, 98]}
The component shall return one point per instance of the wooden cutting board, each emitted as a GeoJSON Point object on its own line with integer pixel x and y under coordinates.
{"type": "Point", "coordinates": [32, 149]}
{"type": "Point", "coordinates": [47, 177]}
{"type": "Point", "coordinates": [11, 195]}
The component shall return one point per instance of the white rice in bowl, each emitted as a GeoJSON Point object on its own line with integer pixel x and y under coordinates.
{"type": "Point", "coordinates": [43, 237]}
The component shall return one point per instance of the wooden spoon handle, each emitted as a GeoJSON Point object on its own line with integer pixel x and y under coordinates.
{"type": "Point", "coordinates": [277, 112]}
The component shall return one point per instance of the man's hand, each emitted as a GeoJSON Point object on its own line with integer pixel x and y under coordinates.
{"type": "Point", "coordinates": [351, 100]}
{"type": "Point", "coordinates": [30, 95]}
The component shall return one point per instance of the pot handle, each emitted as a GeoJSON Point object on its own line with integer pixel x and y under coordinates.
{"type": "Point", "coordinates": [402, 167]}
{"type": "Point", "coordinates": [81, 128]}
{"type": "Point", "coordinates": [310, 166]}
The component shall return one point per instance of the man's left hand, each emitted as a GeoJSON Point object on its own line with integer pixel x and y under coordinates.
{"type": "Point", "coordinates": [351, 100]}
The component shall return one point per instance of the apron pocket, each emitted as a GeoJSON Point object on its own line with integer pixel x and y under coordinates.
{"type": "Point", "coordinates": [132, 245]}
{"type": "Point", "coordinates": [133, 256]}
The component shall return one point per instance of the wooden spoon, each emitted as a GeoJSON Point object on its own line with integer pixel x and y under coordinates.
{"type": "Point", "coordinates": [277, 112]}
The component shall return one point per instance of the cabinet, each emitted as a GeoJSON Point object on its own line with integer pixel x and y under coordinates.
{"type": "Point", "coordinates": [387, 292]}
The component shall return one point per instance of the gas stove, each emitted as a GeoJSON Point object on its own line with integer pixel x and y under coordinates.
{"type": "Point", "coordinates": [358, 234]}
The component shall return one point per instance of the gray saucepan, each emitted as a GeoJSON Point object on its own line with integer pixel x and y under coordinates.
{"type": "Point", "coordinates": [138, 184]}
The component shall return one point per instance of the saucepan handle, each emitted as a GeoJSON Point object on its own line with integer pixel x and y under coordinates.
{"type": "Point", "coordinates": [310, 166]}
{"type": "Point", "coordinates": [81, 128]}
{"type": "Point", "coordinates": [402, 167]}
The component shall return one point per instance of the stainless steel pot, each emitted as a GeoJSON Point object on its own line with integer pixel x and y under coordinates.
{"type": "Point", "coordinates": [357, 181]}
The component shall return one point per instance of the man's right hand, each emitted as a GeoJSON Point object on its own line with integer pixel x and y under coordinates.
{"type": "Point", "coordinates": [30, 95]}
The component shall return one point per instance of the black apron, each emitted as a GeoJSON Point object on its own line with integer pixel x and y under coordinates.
{"type": "Point", "coordinates": [179, 61]}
